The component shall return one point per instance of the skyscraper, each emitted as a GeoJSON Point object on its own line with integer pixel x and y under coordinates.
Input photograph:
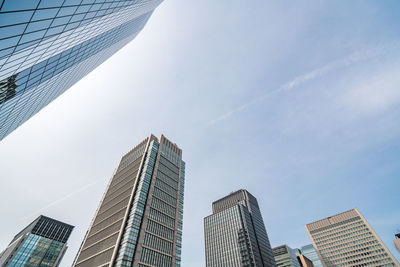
{"type": "Point", "coordinates": [235, 234]}
{"type": "Point", "coordinates": [47, 46]}
{"type": "Point", "coordinates": [304, 261]}
{"type": "Point", "coordinates": [41, 243]}
{"type": "Point", "coordinates": [139, 220]}
{"type": "Point", "coordinates": [396, 242]}
{"type": "Point", "coordinates": [346, 239]}
{"type": "Point", "coordinates": [285, 256]}
{"type": "Point", "coordinates": [311, 254]}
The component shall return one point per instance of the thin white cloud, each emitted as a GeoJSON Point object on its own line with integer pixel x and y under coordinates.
{"type": "Point", "coordinates": [349, 60]}
{"type": "Point", "coordinates": [58, 201]}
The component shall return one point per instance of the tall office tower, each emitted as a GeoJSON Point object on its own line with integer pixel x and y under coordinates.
{"type": "Point", "coordinates": [285, 256]}
{"type": "Point", "coordinates": [397, 242]}
{"type": "Point", "coordinates": [309, 252]}
{"type": "Point", "coordinates": [41, 243]}
{"type": "Point", "coordinates": [139, 220]}
{"type": "Point", "coordinates": [346, 239]}
{"type": "Point", "coordinates": [304, 261]}
{"type": "Point", "coordinates": [46, 46]}
{"type": "Point", "coordinates": [235, 234]}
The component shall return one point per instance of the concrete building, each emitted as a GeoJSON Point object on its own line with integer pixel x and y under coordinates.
{"type": "Point", "coordinates": [42, 243]}
{"type": "Point", "coordinates": [47, 46]}
{"type": "Point", "coordinates": [139, 220]}
{"type": "Point", "coordinates": [235, 234]}
{"type": "Point", "coordinates": [285, 256]}
{"type": "Point", "coordinates": [346, 239]}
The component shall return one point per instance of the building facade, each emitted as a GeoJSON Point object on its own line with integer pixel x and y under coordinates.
{"type": "Point", "coordinates": [41, 243]}
{"type": "Point", "coordinates": [139, 220]}
{"type": "Point", "coordinates": [304, 261]}
{"type": "Point", "coordinates": [396, 242]}
{"type": "Point", "coordinates": [235, 234]}
{"type": "Point", "coordinates": [309, 252]}
{"type": "Point", "coordinates": [47, 46]}
{"type": "Point", "coordinates": [285, 256]}
{"type": "Point", "coordinates": [346, 239]}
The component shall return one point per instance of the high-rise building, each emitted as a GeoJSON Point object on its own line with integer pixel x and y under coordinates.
{"type": "Point", "coordinates": [42, 243]}
{"type": "Point", "coordinates": [139, 220]}
{"type": "Point", "coordinates": [397, 242]}
{"type": "Point", "coordinates": [285, 256]}
{"type": "Point", "coordinates": [235, 234]}
{"type": "Point", "coordinates": [47, 46]}
{"type": "Point", "coordinates": [346, 239]}
{"type": "Point", "coordinates": [304, 261]}
{"type": "Point", "coordinates": [309, 252]}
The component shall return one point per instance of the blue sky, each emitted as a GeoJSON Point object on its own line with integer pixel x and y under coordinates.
{"type": "Point", "coordinates": [298, 102]}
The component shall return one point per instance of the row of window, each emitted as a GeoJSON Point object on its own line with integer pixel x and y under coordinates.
{"type": "Point", "coordinates": [166, 187]}
{"type": "Point", "coordinates": [154, 258]}
{"type": "Point", "coordinates": [354, 239]}
{"type": "Point", "coordinates": [164, 196]}
{"type": "Point", "coordinates": [350, 228]}
{"type": "Point", "coordinates": [166, 179]}
{"type": "Point", "coordinates": [160, 230]}
{"type": "Point", "coordinates": [37, 250]}
{"type": "Point", "coordinates": [343, 236]}
{"type": "Point", "coordinates": [161, 217]}
{"type": "Point", "coordinates": [162, 206]}
{"type": "Point", "coordinates": [157, 243]}
{"type": "Point", "coordinates": [347, 244]}
{"type": "Point", "coordinates": [357, 247]}
{"type": "Point", "coordinates": [169, 165]}
{"type": "Point", "coordinates": [334, 227]}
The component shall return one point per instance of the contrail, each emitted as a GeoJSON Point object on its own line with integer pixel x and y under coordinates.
{"type": "Point", "coordinates": [81, 189]}
{"type": "Point", "coordinates": [333, 65]}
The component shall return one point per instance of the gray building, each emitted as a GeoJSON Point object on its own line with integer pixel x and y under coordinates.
{"type": "Point", "coordinates": [235, 234]}
{"type": "Point", "coordinates": [139, 220]}
{"type": "Point", "coordinates": [310, 252]}
{"type": "Point", "coordinates": [42, 243]}
{"type": "Point", "coordinates": [347, 239]}
{"type": "Point", "coordinates": [285, 256]}
{"type": "Point", "coordinates": [47, 46]}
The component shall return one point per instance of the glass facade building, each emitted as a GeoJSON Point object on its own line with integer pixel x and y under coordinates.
{"type": "Point", "coordinates": [41, 243]}
{"type": "Point", "coordinates": [140, 218]}
{"type": "Point", "coordinates": [311, 254]}
{"type": "Point", "coordinates": [46, 46]}
{"type": "Point", "coordinates": [346, 239]}
{"type": "Point", "coordinates": [235, 234]}
{"type": "Point", "coordinates": [396, 242]}
{"type": "Point", "coordinates": [285, 256]}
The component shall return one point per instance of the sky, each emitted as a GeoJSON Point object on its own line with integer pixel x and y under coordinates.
{"type": "Point", "coordinates": [297, 102]}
